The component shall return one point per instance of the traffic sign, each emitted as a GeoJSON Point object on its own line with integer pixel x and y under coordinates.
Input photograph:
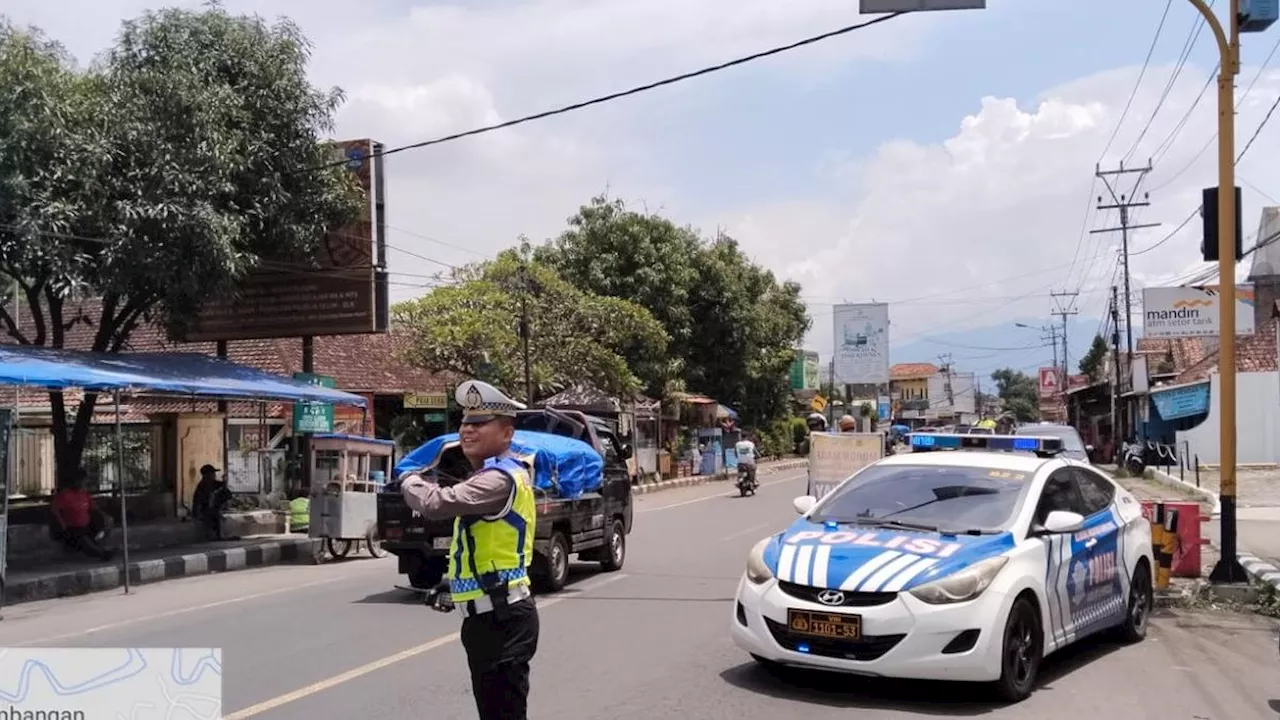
{"type": "Point", "coordinates": [868, 7]}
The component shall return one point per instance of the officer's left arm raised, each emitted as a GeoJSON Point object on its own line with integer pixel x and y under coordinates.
{"type": "Point", "coordinates": [485, 493]}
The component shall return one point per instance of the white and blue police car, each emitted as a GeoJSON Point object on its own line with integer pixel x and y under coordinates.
{"type": "Point", "coordinates": [968, 565]}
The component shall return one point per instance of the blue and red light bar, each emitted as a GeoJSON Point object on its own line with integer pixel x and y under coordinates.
{"type": "Point", "coordinates": [925, 442]}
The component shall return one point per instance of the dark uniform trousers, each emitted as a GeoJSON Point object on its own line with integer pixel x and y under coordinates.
{"type": "Point", "coordinates": [498, 653]}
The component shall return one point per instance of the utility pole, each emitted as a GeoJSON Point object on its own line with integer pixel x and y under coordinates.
{"type": "Point", "coordinates": [1115, 355]}
{"type": "Point", "coordinates": [1124, 202]}
{"type": "Point", "coordinates": [945, 359]}
{"type": "Point", "coordinates": [1051, 335]}
{"type": "Point", "coordinates": [1065, 309]}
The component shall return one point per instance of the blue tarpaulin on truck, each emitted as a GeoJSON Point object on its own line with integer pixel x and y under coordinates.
{"type": "Point", "coordinates": [562, 466]}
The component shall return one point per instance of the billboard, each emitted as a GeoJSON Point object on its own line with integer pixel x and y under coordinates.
{"type": "Point", "coordinates": [1170, 312]}
{"type": "Point", "coordinates": [345, 295]}
{"type": "Point", "coordinates": [833, 457]}
{"type": "Point", "coordinates": [862, 344]}
{"type": "Point", "coordinates": [1050, 382]}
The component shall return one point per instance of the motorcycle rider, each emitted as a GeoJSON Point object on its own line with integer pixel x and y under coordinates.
{"type": "Point", "coordinates": [848, 424]}
{"type": "Point", "coordinates": [746, 450]}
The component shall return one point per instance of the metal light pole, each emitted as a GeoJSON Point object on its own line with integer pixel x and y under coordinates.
{"type": "Point", "coordinates": [1228, 569]}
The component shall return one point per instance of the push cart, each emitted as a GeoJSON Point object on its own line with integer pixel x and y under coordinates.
{"type": "Point", "coordinates": [347, 471]}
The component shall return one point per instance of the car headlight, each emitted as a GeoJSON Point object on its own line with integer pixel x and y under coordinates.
{"type": "Point", "coordinates": [964, 585]}
{"type": "Point", "coordinates": [757, 570]}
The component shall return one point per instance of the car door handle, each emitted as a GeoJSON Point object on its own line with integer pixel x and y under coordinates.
{"type": "Point", "coordinates": [1090, 542]}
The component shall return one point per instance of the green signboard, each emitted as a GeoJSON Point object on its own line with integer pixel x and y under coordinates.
{"type": "Point", "coordinates": [313, 418]}
{"type": "Point", "coordinates": [805, 371]}
{"type": "Point", "coordinates": [797, 372]}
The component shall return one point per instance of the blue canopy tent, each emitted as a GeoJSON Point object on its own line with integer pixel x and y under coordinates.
{"type": "Point", "coordinates": [178, 374]}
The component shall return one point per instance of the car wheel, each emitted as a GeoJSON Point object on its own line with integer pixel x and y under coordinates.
{"type": "Point", "coordinates": [1021, 652]}
{"type": "Point", "coordinates": [551, 571]}
{"type": "Point", "coordinates": [1141, 600]}
{"type": "Point", "coordinates": [614, 552]}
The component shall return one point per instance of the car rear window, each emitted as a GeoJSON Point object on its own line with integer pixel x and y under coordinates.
{"type": "Point", "coordinates": [945, 497]}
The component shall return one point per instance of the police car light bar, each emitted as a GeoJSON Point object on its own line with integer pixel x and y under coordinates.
{"type": "Point", "coordinates": [926, 442]}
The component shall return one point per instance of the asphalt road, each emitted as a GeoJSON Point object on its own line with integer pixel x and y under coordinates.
{"type": "Point", "coordinates": [645, 643]}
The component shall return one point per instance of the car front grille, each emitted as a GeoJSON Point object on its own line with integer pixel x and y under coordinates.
{"type": "Point", "coordinates": [851, 599]}
{"type": "Point", "coordinates": [865, 649]}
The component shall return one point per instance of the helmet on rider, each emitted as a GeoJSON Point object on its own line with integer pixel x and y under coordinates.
{"type": "Point", "coordinates": [848, 424]}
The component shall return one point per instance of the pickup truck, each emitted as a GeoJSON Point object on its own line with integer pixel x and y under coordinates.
{"type": "Point", "coordinates": [592, 526]}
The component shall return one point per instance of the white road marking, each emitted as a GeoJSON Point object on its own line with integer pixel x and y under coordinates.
{"type": "Point", "coordinates": [717, 496]}
{"type": "Point", "coordinates": [180, 611]}
{"type": "Point", "coordinates": [387, 661]}
{"type": "Point", "coordinates": [753, 528]}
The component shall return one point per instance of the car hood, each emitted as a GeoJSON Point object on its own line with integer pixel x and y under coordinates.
{"type": "Point", "coordinates": [869, 559]}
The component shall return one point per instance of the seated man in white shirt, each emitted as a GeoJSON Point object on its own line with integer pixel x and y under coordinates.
{"type": "Point", "coordinates": [746, 451]}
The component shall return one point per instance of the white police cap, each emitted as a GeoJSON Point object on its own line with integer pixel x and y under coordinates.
{"type": "Point", "coordinates": [482, 402]}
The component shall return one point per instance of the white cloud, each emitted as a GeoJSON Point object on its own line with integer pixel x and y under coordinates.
{"type": "Point", "coordinates": [987, 222]}
{"type": "Point", "coordinates": [953, 220]}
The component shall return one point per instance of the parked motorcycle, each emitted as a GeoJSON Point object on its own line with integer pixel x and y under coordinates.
{"type": "Point", "coordinates": [746, 481]}
{"type": "Point", "coordinates": [1134, 461]}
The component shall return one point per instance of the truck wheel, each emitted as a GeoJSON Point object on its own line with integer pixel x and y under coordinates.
{"type": "Point", "coordinates": [614, 552]}
{"type": "Point", "coordinates": [551, 571]}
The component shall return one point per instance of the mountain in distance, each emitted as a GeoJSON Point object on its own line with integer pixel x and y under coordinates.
{"type": "Point", "coordinates": [984, 350]}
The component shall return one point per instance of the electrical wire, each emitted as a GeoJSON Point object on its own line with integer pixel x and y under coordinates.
{"type": "Point", "coordinates": [1141, 73]}
{"type": "Point", "coordinates": [600, 100]}
{"type": "Point", "coordinates": [1187, 47]}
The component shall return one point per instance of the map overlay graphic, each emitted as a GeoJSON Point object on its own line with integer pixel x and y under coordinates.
{"type": "Point", "coordinates": [110, 683]}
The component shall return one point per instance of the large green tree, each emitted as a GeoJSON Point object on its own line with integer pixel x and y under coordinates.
{"type": "Point", "coordinates": [155, 179]}
{"type": "Point", "coordinates": [472, 327]}
{"type": "Point", "coordinates": [734, 327]}
{"type": "Point", "coordinates": [1020, 393]}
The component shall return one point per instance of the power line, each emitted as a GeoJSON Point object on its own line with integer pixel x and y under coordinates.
{"type": "Point", "coordinates": [1141, 73]}
{"type": "Point", "coordinates": [1192, 37]}
{"type": "Point", "coordinates": [633, 91]}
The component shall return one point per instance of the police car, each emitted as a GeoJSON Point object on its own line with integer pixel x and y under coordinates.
{"type": "Point", "coordinates": [965, 566]}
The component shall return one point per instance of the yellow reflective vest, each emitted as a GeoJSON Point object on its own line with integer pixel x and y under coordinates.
{"type": "Point", "coordinates": [490, 551]}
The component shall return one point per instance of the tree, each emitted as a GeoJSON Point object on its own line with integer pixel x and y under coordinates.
{"type": "Point", "coordinates": [153, 181]}
{"type": "Point", "coordinates": [1020, 393]}
{"type": "Point", "coordinates": [734, 328]}
{"type": "Point", "coordinates": [1092, 362]}
{"type": "Point", "coordinates": [472, 328]}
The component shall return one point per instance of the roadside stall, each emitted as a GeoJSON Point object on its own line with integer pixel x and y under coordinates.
{"type": "Point", "coordinates": [187, 375]}
{"type": "Point", "coordinates": [347, 472]}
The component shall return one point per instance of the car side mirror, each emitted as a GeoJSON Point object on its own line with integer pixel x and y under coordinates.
{"type": "Point", "coordinates": [1060, 522]}
{"type": "Point", "coordinates": [804, 504]}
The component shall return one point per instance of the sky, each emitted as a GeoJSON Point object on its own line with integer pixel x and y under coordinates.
{"type": "Point", "coordinates": [942, 162]}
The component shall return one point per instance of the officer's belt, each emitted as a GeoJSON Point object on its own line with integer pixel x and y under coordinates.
{"type": "Point", "coordinates": [484, 604]}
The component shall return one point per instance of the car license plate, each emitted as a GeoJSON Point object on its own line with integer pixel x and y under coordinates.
{"type": "Point", "coordinates": [441, 543]}
{"type": "Point", "coordinates": [830, 626]}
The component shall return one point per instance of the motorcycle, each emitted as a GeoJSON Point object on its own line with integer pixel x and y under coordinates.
{"type": "Point", "coordinates": [1134, 462]}
{"type": "Point", "coordinates": [746, 482]}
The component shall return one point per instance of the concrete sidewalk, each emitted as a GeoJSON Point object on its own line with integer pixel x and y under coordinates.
{"type": "Point", "coordinates": [765, 468]}
{"type": "Point", "coordinates": [77, 576]}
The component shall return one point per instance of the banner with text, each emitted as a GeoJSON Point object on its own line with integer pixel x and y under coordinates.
{"type": "Point", "coordinates": [1169, 312]}
{"type": "Point", "coordinates": [862, 344]}
{"type": "Point", "coordinates": [833, 457]}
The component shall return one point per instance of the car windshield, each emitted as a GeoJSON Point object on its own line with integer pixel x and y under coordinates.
{"type": "Point", "coordinates": [1070, 438]}
{"type": "Point", "coordinates": [927, 497]}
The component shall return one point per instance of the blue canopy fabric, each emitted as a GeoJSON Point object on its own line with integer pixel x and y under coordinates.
{"type": "Point", "coordinates": [561, 465]}
{"type": "Point", "coordinates": [188, 374]}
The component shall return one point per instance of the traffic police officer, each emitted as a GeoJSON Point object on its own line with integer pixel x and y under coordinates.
{"type": "Point", "coordinates": [494, 513]}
